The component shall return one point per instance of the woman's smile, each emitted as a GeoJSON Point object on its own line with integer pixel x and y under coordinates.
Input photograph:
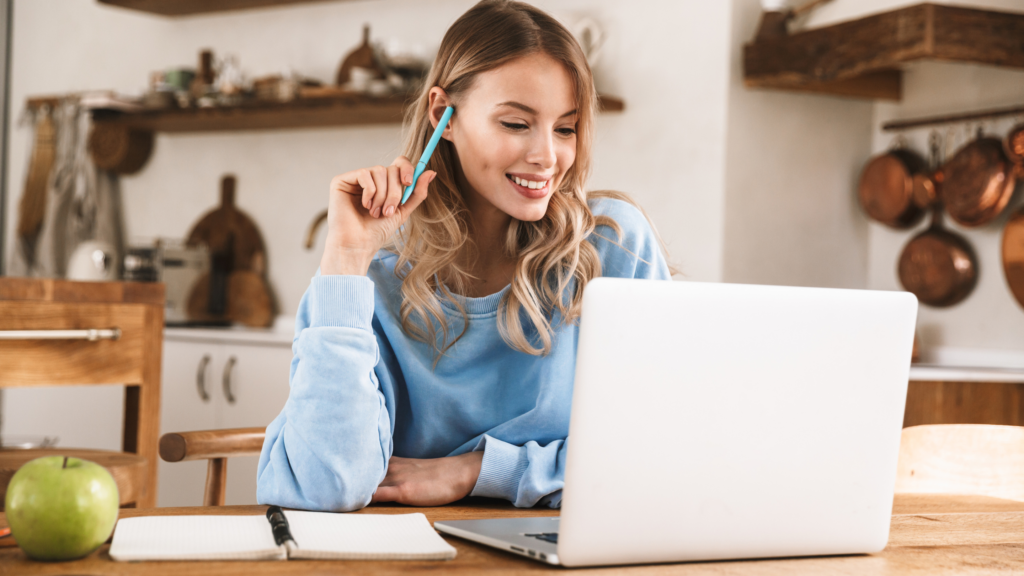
{"type": "Point", "coordinates": [531, 186]}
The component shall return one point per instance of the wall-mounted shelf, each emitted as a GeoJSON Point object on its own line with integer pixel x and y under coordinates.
{"type": "Point", "coordinates": [862, 58]}
{"type": "Point", "coordinates": [187, 7]}
{"type": "Point", "coordinates": [318, 112]}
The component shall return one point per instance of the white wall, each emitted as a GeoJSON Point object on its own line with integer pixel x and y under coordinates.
{"type": "Point", "coordinates": [667, 60]}
{"type": "Point", "coordinates": [791, 164]}
{"type": "Point", "coordinates": [989, 318]}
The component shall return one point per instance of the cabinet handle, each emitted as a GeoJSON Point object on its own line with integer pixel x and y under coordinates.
{"type": "Point", "coordinates": [90, 334]}
{"type": "Point", "coordinates": [201, 378]}
{"type": "Point", "coordinates": [227, 379]}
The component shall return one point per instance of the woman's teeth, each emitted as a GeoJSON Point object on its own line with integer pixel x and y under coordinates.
{"type": "Point", "coordinates": [527, 183]}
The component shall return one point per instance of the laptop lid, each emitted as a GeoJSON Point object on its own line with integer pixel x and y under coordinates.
{"type": "Point", "coordinates": [715, 421]}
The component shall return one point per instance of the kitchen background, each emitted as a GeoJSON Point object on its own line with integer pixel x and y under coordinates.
{"type": "Point", "coordinates": [749, 186]}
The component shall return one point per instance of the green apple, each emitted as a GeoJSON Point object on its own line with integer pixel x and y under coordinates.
{"type": "Point", "coordinates": [61, 508]}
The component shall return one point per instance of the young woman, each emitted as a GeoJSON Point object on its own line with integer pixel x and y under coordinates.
{"type": "Point", "coordinates": [435, 348]}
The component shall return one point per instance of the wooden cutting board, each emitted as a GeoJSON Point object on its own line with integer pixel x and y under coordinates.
{"type": "Point", "coordinates": [236, 288]}
{"type": "Point", "coordinates": [229, 231]}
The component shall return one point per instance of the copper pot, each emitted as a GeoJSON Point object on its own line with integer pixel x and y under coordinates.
{"type": "Point", "coordinates": [886, 188]}
{"type": "Point", "coordinates": [1015, 144]}
{"type": "Point", "coordinates": [978, 182]}
{"type": "Point", "coordinates": [1013, 255]}
{"type": "Point", "coordinates": [938, 266]}
{"type": "Point", "coordinates": [926, 185]}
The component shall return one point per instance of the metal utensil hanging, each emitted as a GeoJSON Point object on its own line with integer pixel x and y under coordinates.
{"type": "Point", "coordinates": [938, 266]}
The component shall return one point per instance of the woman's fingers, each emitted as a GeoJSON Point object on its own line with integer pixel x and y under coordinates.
{"type": "Point", "coordinates": [419, 194]}
{"type": "Point", "coordinates": [365, 181]}
{"type": "Point", "coordinates": [386, 494]}
{"type": "Point", "coordinates": [380, 182]}
{"type": "Point", "coordinates": [406, 169]}
{"type": "Point", "coordinates": [381, 188]}
{"type": "Point", "coordinates": [395, 189]}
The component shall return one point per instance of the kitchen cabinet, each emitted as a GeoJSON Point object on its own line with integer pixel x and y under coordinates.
{"type": "Point", "coordinates": [210, 383]}
{"type": "Point", "coordinates": [951, 395]}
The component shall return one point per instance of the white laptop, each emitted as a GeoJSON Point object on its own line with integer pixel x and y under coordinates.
{"type": "Point", "coordinates": [725, 421]}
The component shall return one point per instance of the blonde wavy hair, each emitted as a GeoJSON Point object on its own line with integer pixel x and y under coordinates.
{"type": "Point", "coordinates": [554, 260]}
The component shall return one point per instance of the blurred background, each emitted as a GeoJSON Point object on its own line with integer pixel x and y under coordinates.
{"type": "Point", "coordinates": [745, 129]}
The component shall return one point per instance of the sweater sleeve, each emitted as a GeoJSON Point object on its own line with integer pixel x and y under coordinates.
{"type": "Point", "coordinates": [328, 448]}
{"type": "Point", "coordinates": [532, 474]}
{"type": "Point", "coordinates": [526, 475]}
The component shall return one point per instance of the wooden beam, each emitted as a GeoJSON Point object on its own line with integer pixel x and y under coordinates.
{"type": "Point", "coordinates": [187, 7]}
{"type": "Point", "coordinates": [862, 58]}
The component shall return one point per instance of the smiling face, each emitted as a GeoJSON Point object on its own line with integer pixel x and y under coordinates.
{"type": "Point", "coordinates": [514, 133]}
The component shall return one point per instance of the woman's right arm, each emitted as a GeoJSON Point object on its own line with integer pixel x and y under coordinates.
{"type": "Point", "coordinates": [329, 447]}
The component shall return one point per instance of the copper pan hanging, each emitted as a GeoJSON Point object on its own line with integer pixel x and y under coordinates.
{"type": "Point", "coordinates": [886, 188]}
{"type": "Point", "coordinates": [938, 266]}
{"type": "Point", "coordinates": [927, 183]}
{"type": "Point", "coordinates": [1013, 255]}
{"type": "Point", "coordinates": [1015, 144]}
{"type": "Point", "coordinates": [1013, 234]}
{"type": "Point", "coordinates": [978, 182]}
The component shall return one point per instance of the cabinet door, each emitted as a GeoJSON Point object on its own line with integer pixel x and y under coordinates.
{"type": "Point", "coordinates": [254, 388]}
{"type": "Point", "coordinates": [190, 400]}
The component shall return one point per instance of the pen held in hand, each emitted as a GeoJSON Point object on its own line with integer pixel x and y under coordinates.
{"type": "Point", "coordinates": [428, 151]}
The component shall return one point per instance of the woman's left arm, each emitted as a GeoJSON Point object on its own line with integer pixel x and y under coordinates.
{"type": "Point", "coordinates": [525, 475]}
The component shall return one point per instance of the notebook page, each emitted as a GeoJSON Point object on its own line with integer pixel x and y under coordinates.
{"type": "Point", "coordinates": [195, 538]}
{"type": "Point", "coordinates": [329, 536]}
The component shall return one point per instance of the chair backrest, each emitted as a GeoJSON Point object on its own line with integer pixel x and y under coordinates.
{"type": "Point", "coordinates": [962, 459]}
{"type": "Point", "coordinates": [61, 332]}
{"type": "Point", "coordinates": [215, 446]}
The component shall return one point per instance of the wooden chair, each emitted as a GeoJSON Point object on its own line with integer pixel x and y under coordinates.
{"type": "Point", "coordinates": [979, 459]}
{"type": "Point", "coordinates": [216, 446]}
{"type": "Point", "coordinates": [64, 333]}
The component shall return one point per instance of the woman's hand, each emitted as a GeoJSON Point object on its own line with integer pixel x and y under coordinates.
{"type": "Point", "coordinates": [363, 211]}
{"type": "Point", "coordinates": [429, 482]}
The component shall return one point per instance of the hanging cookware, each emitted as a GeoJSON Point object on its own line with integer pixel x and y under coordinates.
{"type": "Point", "coordinates": [1013, 234]}
{"type": "Point", "coordinates": [1013, 255]}
{"type": "Point", "coordinates": [886, 188]}
{"type": "Point", "coordinates": [926, 184]}
{"type": "Point", "coordinates": [32, 207]}
{"type": "Point", "coordinates": [119, 149]}
{"type": "Point", "coordinates": [938, 266]}
{"type": "Point", "coordinates": [978, 182]}
{"type": "Point", "coordinates": [1015, 144]}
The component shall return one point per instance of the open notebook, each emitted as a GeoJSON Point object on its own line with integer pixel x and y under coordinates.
{"type": "Point", "coordinates": [313, 535]}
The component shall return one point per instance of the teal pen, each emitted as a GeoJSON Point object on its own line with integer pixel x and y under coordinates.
{"type": "Point", "coordinates": [428, 151]}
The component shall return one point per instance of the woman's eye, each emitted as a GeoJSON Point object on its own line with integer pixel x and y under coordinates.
{"type": "Point", "coordinates": [513, 126]}
{"type": "Point", "coordinates": [566, 131]}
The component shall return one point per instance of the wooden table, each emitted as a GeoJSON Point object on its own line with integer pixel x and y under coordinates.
{"type": "Point", "coordinates": [931, 535]}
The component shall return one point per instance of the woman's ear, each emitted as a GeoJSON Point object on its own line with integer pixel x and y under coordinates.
{"type": "Point", "coordinates": [438, 101]}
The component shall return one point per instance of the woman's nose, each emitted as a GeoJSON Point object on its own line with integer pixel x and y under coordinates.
{"type": "Point", "coordinates": [542, 151]}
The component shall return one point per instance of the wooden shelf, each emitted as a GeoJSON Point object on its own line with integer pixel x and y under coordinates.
{"type": "Point", "coordinates": [349, 110]}
{"type": "Point", "coordinates": [187, 7]}
{"type": "Point", "coordinates": [862, 58]}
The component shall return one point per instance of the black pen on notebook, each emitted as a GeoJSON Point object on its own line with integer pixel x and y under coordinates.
{"type": "Point", "coordinates": [279, 526]}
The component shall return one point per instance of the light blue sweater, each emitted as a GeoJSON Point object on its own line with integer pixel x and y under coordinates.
{"type": "Point", "coordinates": [363, 390]}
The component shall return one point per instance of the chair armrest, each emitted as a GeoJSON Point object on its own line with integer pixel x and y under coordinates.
{"type": "Point", "coordinates": [206, 444]}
